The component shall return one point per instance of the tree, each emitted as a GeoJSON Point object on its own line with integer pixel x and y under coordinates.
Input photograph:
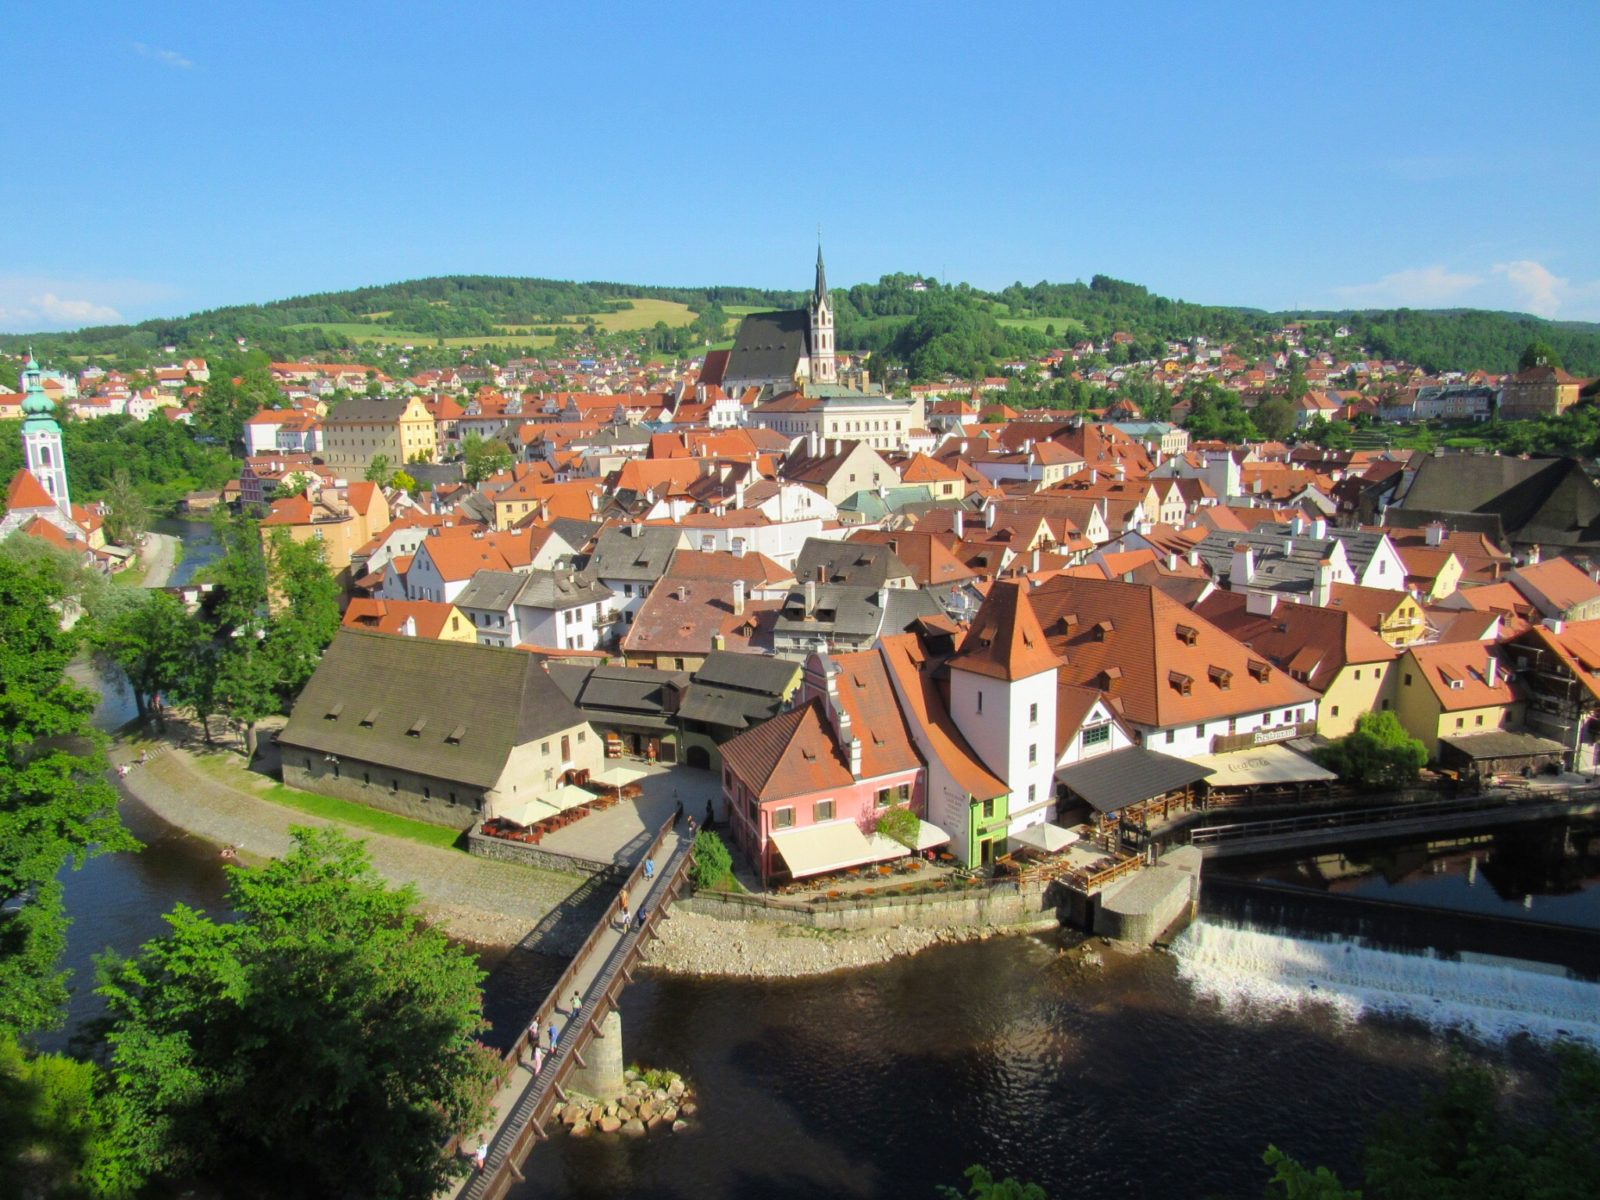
{"type": "Point", "coordinates": [484, 457]}
{"type": "Point", "coordinates": [151, 641]}
{"type": "Point", "coordinates": [405, 482]}
{"type": "Point", "coordinates": [900, 824]}
{"type": "Point", "coordinates": [52, 1129]}
{"type": "Point", "coordinates": [1378, 753]}
{"type": "Point", "coordinates": [983, 1186]}
{"type": "Point", "coordinates": [321, 1044]}
{"type": "Point", "coordinates": [712, 862]}
{"type": "Point", "coordinates": [379, 471]}
{"type": "Point", "coordinates": [127, 515]}
{"type": "Point", "coordinates": [1538, 354]}
{"type": "Point", "coordinates": [1291, 1181]}
{"type": "Point", "coordinates": [1274, 418]}
{"type": "Point", "coordinates": [55, 804]}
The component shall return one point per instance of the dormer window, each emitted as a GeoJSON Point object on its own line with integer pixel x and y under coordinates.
{"type": "Point", "coordinates": [333, 713]}
{"type": "Point", "coordinates": [1222, 677]}
{"type": "Point", "coordinates": [453, 738]}
{"type": "Point", "coordinates": [1182, 683]}
{"type": "Point", "coordinates": [1103, 629]}
{"type": "Point", "coordinates": [1188, 634]}
{"type": "Point", "coordinates": [1259, 671]}
{"type": "Point", "coordinates": [417, 727]}
{"type": "Point", "coordinates": [370, 719]}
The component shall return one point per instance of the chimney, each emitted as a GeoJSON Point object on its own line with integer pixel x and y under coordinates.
{"type": "Point", "coordinates": [1554, 624]}
{"type": "Point", "coordinates": [718, 642]}
{"type": "Point", "coordinates": [988, 515]}
{"type": "Point", "coordinates": [738, 597]}
{"type": "Point", "coordinates": [1034, 568]}
{"type": "Point", "coordinates": [1319, 528]}
{"type": "Point", "coordinates": [1193, 557]}
{"type": "Point", "coordinates": [855, 758]}
{"type": "Point", "coordinates": [960, 527]}
{"type": "Point", "coordinates": [1434, 532]}
{"type": "Point", "coordinates": [738, 494]}
{"type": "Point", "coordinates": [1324, 583]}
{"type": "Point", "coordinates": [1244, 566]}
{"type": "Point", "coordinates": [1491, 671]}
{"type": "Point", "coordinates": [1172, 562]}
{"type": "Point", "coordinates": [811, 596]}
{"type": "Point", "coordinates": [1261, 604]}
{"type": "Point", "coordinates": [409, 629]}
{"type": "Point", "coordinates": [1533, 556]}
{"type": "Point", "coordinates": [1297, 527]}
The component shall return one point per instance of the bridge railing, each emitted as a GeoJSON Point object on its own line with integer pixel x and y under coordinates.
{"type": "Point", "coordinates": [1212, 834]}
{"type": "Point", "coordinates": [534, 1109]}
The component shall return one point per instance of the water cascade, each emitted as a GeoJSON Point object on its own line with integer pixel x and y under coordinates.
{"type": "Point", "coordinates": [1491, 998]}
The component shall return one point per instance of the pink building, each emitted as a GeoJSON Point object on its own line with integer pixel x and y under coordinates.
{"type": "Point", "coordinates": [805, 789]}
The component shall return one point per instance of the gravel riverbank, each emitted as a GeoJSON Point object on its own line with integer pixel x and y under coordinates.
{"type": "Point", "coordinates": [692, 944]}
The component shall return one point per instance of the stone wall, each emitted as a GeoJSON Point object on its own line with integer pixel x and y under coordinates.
{"type": "Point", "coordinates": [536, 856]}
{"type": "Point", "coordinates": [417, 796]}
{"type": "Point", "coordinates": [1001, 904]}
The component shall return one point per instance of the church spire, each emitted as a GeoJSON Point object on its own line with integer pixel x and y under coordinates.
{"type": "Point", "coordinates": [823, 368]}
{"type": "Point", "coordinates": [41, 437]}
{"type": "Point", "coordinates": [820, 295]}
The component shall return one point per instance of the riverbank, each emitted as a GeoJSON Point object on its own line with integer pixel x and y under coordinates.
{"type": "Point", "coordinates": [489, 903]}
{"type": "Point", "coordinates": [692, 944]}
{"type": "Point", "coordinates": [160, 557]}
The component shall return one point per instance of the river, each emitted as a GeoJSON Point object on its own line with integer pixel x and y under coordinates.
{"type": "Point", "coordinates": [1155, 1075]}
{"type": "Point", "coordinates": [200, 546]}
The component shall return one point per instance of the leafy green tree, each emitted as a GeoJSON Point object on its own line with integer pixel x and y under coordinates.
{"type": "Point", "coordinates": [484, 457]}
{"type": "Point", "coordinates": [1291, 1181]}
{"type": "Point", "coordinates": [307, 618]}
{"type": "Point", "coordinates": [379, 471]}
{"type": "Point", "coordinates": [1378, 753]}
{"type": "Point", "coordinates": [1538, 354]}
{"type": "Point", "coordinates": [900, 824]}
{"type": "Point", "coordinates": [151, 640]}
{"type": "Point", "coordinates": [293, 484]}
{"type": "Point", "coordinates": [405, 482]}
{"type": "Point", "coordinates": [127, 515]}
{"type": "Point", "coordinates": [55, 804]}
{"type": "Point", "coordinates": [52, 1126]}
{"type": "Point", "coordinates": [712, 862]}
{"type": "Point", "coordinates": [1274, 418]}
{"type": "Point", "coordinates": [321, 1044]}
{"type": "Point", "coordinates": [981, 1185]}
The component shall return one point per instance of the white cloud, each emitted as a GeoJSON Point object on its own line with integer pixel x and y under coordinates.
{"type": "Point", "coordinates": [1540, 290]}
{"type": "Point", "coordinates": [169, 58]}
{"type": "Point", "coordinates": [1416, 287]}
{"type": "Point", "coordinates": [32, 303]}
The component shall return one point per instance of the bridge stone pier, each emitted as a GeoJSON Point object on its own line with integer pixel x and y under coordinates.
{"type": "Point", "coordinates": [601, 1076]}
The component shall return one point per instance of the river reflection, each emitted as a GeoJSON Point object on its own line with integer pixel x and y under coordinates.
{"type": "Point", "coordinates": [892, 1080]}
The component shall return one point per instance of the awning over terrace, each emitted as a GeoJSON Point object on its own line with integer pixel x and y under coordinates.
{"type": "Point", "coordinates": [1268, 764]}
{"type": "Point", "coordinates": [831, 846]}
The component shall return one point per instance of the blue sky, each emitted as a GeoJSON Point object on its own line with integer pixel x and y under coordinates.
{"type": "Point", "coordinates": [167, 158]}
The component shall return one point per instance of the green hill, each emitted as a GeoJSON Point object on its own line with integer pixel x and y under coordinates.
{"type": "Point", "coordinates": [909, 320]}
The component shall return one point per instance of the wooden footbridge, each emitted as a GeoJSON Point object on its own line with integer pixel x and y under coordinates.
{"type": "Point", "coordinates": [598, 973]}
{"type": "Point", "coordinates": [1424, 818]}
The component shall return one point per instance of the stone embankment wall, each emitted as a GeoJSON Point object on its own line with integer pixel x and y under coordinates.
{"type": "Point", "coordinates": [1150, 902]}
{"type": "Point", "coordinates": [530, 855]}
{"type": "Point", "coordinates": [1002, 904]}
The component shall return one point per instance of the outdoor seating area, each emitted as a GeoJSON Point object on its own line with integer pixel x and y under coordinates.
{"type": "Point", "coordinates": [855, 878]}
{"type": "Point", "coordinates": [578, 796]}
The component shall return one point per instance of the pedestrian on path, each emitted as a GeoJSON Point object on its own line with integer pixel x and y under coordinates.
{"type": "Point", "coordinates": [577, 1002]}
{"type": "Point", "coordinates": [623, 903]}
{"type": "Point", "coordinates": [538, 1061]}
{"type": "Point", "coordinates": [480, 1156]}
{"type": "Point", "coordinates": [649, 868]}
{"type": "Point", "coordinates": [555, 1032]}
{"type": "Point", "coordinates": [533, 1036]}
{"type": "Point", "coordinates": [639, 922]}
{"type": "Point", "coordinates": [711, 815]}
{"type": "Point", "coordinates": [691, 826]}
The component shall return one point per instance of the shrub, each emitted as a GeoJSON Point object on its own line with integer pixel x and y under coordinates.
{"type": "Point", "coordinates": [712, 862]}
{"type": "Point", "coordinates": [900, 824]}
{"type": "Point", "coordinates": [1378, 753]}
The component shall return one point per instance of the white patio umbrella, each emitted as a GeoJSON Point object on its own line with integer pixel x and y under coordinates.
{"type": "Point", "coordinates": [1046, 837]}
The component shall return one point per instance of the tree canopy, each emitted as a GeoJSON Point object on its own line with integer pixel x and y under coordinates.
{"type": "Point", "coordinates": [1378, 753]}
{"type": "Point", "coordinates": [56, 807]}
{"type": "Point", "coordinates": [321, 1044]}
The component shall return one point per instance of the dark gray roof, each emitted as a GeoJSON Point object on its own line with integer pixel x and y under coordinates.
{"type": "Point", "coordinates": [626, 695]}
{"type": "Point", "coordinates": [574, 532]}
{"type": "Point", "coordinates": [769, 345]}
{"type": "Point", "coordinates": [1501, 744]}
{"type": "Point", "coordinates": [1110, 782]}
{"type": "Point", "coordinates": [451, 710]}
{"type": "Point", "coordinates": [856, 613]}
{"type": "Point", "coordinates": [861, 564]}
{"type": "Point", "coordinates": [635, 553]}
{"type": "Point", "coordinates": [1274, 568]}
{"type": "Point", "coordinates": [758, 673]}
{"type": "Point", "coordinates": [560, 589]}
{"type": "Point", "coordinates": [367, 409]}
{"type": "Point", "coordinates": [1551, 501]}
{"type": "Point", "coordinates": [491, 590]}
{"type": "Point", "coordinates": [726, 707]}
{"type": "Point", "coordinates": [1359, 546]}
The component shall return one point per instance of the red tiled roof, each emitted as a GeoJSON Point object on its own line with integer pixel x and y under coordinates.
{"type": "Point", "coordinates": [790, 755]}
{"type": "Point", "coordinates": [1005, 641]}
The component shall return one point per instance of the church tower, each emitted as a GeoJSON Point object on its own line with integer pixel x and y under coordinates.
{"type": "Point", "coordinates": [41, 438]}
{"type": "Point", "coordinates": [823, 368]}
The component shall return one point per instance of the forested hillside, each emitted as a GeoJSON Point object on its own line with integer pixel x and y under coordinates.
{"type": "Point", "coordinates": [910, 321]}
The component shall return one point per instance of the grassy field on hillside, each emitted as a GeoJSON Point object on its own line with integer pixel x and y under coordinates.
{"type": "Point", "coordinates": [1064, 325]}
{"type": "Point", "coordinates": [643, 315]}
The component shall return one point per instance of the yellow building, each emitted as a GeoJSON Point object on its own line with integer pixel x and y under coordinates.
{"type": "Point", "coordinates": [1452, 689]}
{"type": "Point", "coordinates": [343, 520]}
{"type": "Point", "coordinates": [1396, 617]}
{"type": "Point", "coordinates": [364, 427]}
